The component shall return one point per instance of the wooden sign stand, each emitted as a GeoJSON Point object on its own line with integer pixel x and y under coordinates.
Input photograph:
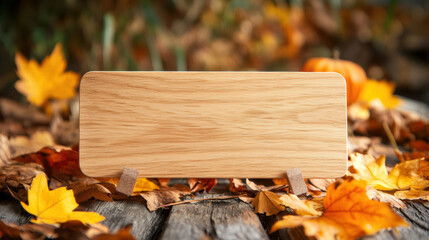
{"type": "Point", "coordinates": [129, 178]}
{"type": "Point", "coordinates": [213, 125]}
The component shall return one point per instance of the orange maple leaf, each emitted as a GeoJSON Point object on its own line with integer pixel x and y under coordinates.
{"type": "Point", "coordinates": [349, 214]}
{"type": "Point", "coordinates": [40, 82]}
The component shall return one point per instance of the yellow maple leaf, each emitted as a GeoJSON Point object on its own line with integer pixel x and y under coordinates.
{"type": "Point", "coordinates": [267, 202]}
{"type": "Point", "coordinates": [55, 206]}
{"type": "Point", "coordinates": [144, 185]}
{"type": "Point", "coordinates": [402, 177]}
{"type": "Point", "coordinates": [381, 90]}
{"type": "Point", "coordinates": [302, 208]}
{"type": "Point", "coordinates": [40, 82]}
{"type": "Point", "coordinates": [349, 214]}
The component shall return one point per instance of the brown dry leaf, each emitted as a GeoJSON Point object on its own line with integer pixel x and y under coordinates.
{"type": "Point", "coordinates": [423, 169]}
{"type": "Point", "coordinates": [163, 182]}
{"type": "Point", "coordinates": [67, 230]}
{"type": "Point", "coordinates": [65, 132]}
{"type": "Point", "coordinates": [164, 196]}
{"type": "Point", "coordinates": [199, 184]}
{"type": "Point", "coordinates": [236, 185]}
{"type": "Point", "coordinates": [255, 187]}
{"type": "Point", "coordinates": [267, 202]}
{"type": "Point", "coordinates": [419, 145]}
{"type": "Point", "coordinates": [123, 234]}
{"type": "Point", "coordinates": [407, 156]}
{"type": "Point", "coordinates": [349, 214]}
{"type": "Point", "coordinates": [402, 177]}
{"type": "Point", "coordinates": [100, 191]}
{"type": "Point", "coordinates": [413, 194]}
{"type": "Point", "coordinates": [78, 230]}
{"type": "Point", "coordinates": [380, 118]}
{"type": "Point", "coordinates": [16, 177]}
{"type": "Point", "coordinates": [23, 113]}
{"type": "Point", "coordinates": [9, 231]}
{"type": "Point", "coordinates": [374, 194]}
{"type": "Point", "coordinates": [302, 208]}
{"type": "Point", "coordinates": [27, 231]}
{"type": "Point", "coordinates": [23, 145]}
{"type": "Point", "coordinates": [322, 184]}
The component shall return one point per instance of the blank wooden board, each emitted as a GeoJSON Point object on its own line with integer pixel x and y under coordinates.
{"type": "Point", "coordinates": [213, 124]}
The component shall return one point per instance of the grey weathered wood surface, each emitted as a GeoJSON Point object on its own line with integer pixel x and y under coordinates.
{"type": "Point", "coordinates": [12, 212]}
{"type": "Point", "coordinates": [145, 224]}
{"type": "Point", "coordinates": [213, 219]}
{"type": "Point", "coordinates": [218, 219]}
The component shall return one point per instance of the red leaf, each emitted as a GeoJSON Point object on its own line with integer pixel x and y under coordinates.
{"type": "Point", "coordinates": [198, 184]}
{"type": "Point", "coordinates": [65, 162]}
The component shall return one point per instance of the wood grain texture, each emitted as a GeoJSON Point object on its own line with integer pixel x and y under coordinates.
{"type": "Point", "coordinates": [213, 124]}
{"type": "Point", "coordinates": [222, 219]}
{"type": "Point", "coordinates": [119, 214]}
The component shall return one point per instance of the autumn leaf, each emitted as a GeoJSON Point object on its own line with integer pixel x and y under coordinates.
{"type": "Point", "coordinates": [349, 214]}
{"type": "Point", "coordinates": [413, 194]}
{"type": "Point", "coordinates": [64, 162]}
{"type": "Point", "coordinates": [100, 191]}
{"type": "Point", "coordinates": [380, 196]}
{"type": "Point", "coordinates": [198, 184]}
{"type": "Point", "coordinates": [24, 145]}
{"type": "Point", "coordinates": [55, 206]}
{"type": "Point", "coordinates": [280, 181]}
{"type": "Point", "coordinates": [142, 184]}
{"type": "Point", "coordinates": [302, 208]}
{"type": "Point", "coordinates": [381, 90]}
{"type": "Point", "coordinates": [403, 176]}
{"type": "Point", "coordinates": [157, 198]}
{"type": "Point", "coordinates": [267, 202]}
{"type": "Point", "coordinates": [163, 182]}
{"type": "Point", "coordinates": [122, 234]}
{"type": "Point", "coordinates": [40, 82]}
{"type": "Point", "coordinates": [236, 185]}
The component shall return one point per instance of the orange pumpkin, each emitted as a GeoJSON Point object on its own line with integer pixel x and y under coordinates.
{"type": "Point", "coordinates": [354, 74]}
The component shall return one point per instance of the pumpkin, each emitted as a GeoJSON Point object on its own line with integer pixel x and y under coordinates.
{"type": "Point", "coordinates": [354, 74]}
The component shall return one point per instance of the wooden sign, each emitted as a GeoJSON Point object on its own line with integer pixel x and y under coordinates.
{"type": "Point", "coordinates": [213, 124]}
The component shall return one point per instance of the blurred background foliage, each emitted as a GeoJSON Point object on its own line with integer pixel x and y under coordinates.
{"type": "Point", "coordinates": [389, 38]}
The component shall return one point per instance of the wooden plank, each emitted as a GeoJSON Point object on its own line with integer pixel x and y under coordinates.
{"type": "Point", "coordinates": [213, 124]}
{"type": "Point", "coordinates": [227, 219]}
{"type": "Point", "coordinates": [145, 224]}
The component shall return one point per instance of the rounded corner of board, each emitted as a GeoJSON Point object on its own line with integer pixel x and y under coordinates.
{"type": "Point", "coordinates": [338, 76]}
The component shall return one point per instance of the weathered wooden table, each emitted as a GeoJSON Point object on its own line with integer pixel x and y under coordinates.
{"type": "Point", "coordinates": [211, 219]}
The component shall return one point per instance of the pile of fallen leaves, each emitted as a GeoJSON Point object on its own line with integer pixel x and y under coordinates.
{"type": "Point", "coordinates": [39, 166]}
